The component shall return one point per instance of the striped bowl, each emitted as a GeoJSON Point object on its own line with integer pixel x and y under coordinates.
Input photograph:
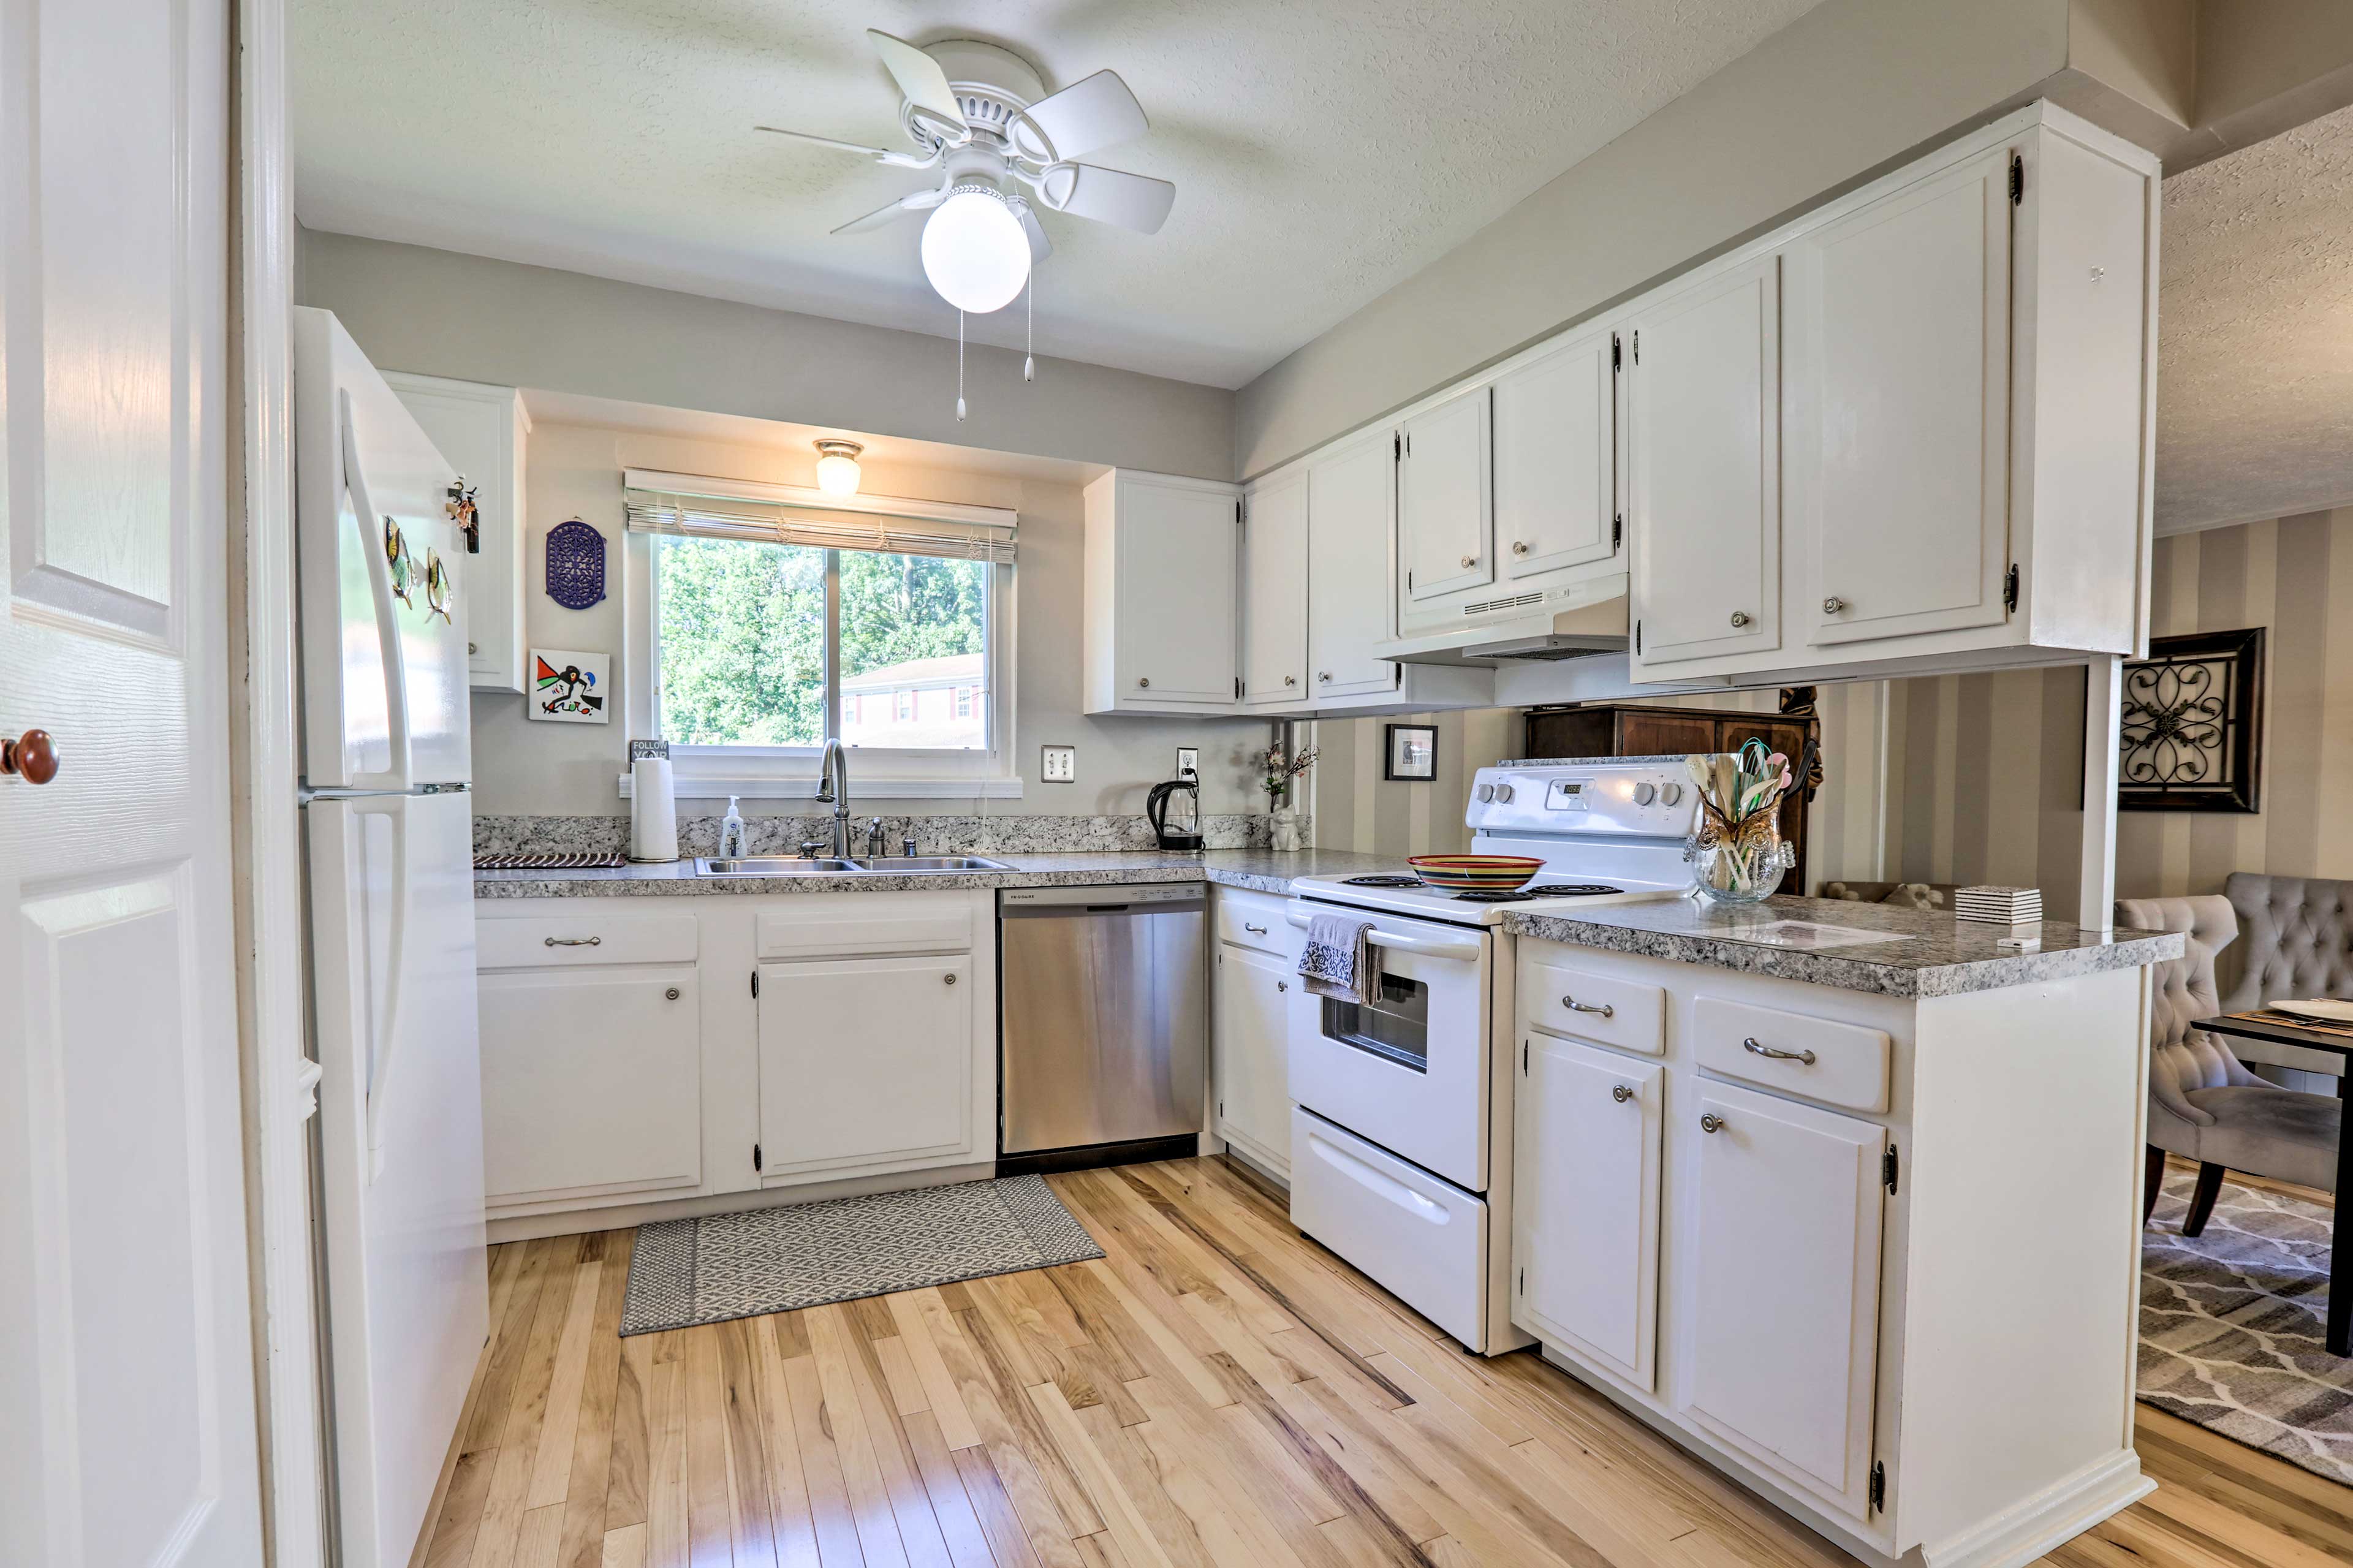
{"type": "Point", "coordinates": [1479, 873]}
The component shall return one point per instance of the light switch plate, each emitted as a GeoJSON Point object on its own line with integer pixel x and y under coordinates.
{"type": "Point", "coordinates": [1058, 765]}
{"type": "Point", "coordinates": [1188, 762]}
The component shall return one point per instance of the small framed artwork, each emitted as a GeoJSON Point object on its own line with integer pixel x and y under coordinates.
{"type": "Point", "coordinates": [2192, 737]}
{"type": "Point", "coordinates": [1411, 753]}
{"type": "Point", "coordinates": [570, 688]}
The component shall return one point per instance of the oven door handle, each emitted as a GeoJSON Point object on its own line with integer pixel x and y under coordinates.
{"type": "Point", "coordinates": [1464, 947]}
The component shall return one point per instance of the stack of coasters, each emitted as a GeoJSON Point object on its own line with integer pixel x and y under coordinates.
{"type": "Point", "coordinates": [1998, 906]}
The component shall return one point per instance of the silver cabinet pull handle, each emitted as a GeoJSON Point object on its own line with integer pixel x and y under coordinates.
{"type": "Point", "coordinates": [1710, 1122]}
{"type": "Point", "coordinates": [1754, 1049]}
{"type": "Point", "coordinates": [575, 942]}
{"type": "Point", "coordinates": [1254, 930]}
{"type": "Point", "coordinates": [1574, 1005]}
{"type": "Point", "coordinates": [1620, 1093]}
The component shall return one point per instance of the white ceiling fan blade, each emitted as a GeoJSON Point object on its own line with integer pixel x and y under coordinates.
{"type": "Point", "coordinates": [919, 77]}
{"type": "Point", "coordinates": [914, 202]}
{"type": "Point", "coordinates": [879, 154]}
{"type": "Point", "coordinates": [1083, 118]}
{"type": "Point", "coordinates": [1108, 196]}
{"type": "Point", "coordinates": [1040, 247]}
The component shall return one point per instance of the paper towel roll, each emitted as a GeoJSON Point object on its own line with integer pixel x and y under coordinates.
{"type": "Point", "coordinates": [653, 811]}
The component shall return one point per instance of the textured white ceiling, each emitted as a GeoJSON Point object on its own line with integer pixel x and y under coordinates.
{"type": "Point", "coordinates": [2254, 388]}
{"type": "Point", "coordinates": [1323, 150]}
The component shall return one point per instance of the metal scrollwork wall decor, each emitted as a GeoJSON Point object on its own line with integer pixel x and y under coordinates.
{"type": "Point", "coordinates": [2192, 737]}
{"type": "Point", "coordinates": [576, 565]}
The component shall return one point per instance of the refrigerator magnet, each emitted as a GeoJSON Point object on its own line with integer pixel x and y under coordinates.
{"type": "Point", "coordinates": [436, 585]}
{"type": "Point", "coordinates": [403, 567]}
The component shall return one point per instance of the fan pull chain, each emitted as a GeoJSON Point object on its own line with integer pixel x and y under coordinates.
{"type": "Point", "coordinates": [959, 367]}
{"type": "Point", "coordinates": [1029, 349]}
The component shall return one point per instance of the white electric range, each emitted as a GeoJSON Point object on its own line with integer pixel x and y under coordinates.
{"type": "Point", "coordinates": [1402, 1111]}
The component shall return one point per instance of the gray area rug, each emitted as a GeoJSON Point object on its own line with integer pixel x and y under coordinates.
{"type": "Point", "coordinates": [707, 1270]}
{"type": "Point", "coordinates": [2230, 1325]}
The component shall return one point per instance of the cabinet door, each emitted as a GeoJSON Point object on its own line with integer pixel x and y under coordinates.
{"type": "Point", "coordinates": [1585, 1204]}
{"type": "Point", "coordinates": [1252, 1047]}
{"type": "Point", "coordinates": [1444, 499]}
{"type": "Point", "coordinates": [480, 430]}
{"type": "Point", "coordinates": [1781, 1317]}
{"type": "Point", "coordinates": [592, 1083]}
{"type": "Point", "coordinates": [1348, 515]}
{"type": "Point", "coordinates": [1703, 440]}
{"type": "Point", "coordinates": [1556, 460]}
{"type": "Point", "coordinates": [864, 1061]}
{"type": "Point", "coordinates": [1274, 590]}
{"type": "Point", "coordinates": [1897, 408]}
{"type": "Point", "coordinates": [1176, 592]}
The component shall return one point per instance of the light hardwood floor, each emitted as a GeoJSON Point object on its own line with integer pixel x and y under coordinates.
{"type": "Point", "coordinates": [1216, 1391]}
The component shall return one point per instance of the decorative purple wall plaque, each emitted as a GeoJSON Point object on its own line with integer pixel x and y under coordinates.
{"type": "Point", "coordinates": [576, 565]}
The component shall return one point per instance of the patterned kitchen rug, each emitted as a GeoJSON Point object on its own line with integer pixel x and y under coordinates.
{"type": "Point", "coordinates": [2231, 1324]}
{"type": "Point", "coordinates": [707, 1270]}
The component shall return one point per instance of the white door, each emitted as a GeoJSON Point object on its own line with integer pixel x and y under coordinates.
{"type": "Point", "coordinates": [126, 1339]}
{"type": "Point", "coordinates": [1251, 1069]}
{"type": "Point", "coordinates": [1556, 459]}
{"type": "Point", "coordinates": [1274, 586]}
{"type": "Point", "coordinates": [1896, 404]}
{"type": "Point", "coordinates": [1176, 607]}
{"type": "Point", "coordinates": [1703, 482]}
{"type": "Point", "coordinates": [864, 1061]}
{"type": "Point", "coordinates": [1444, 501]}
{"type": "Point", "coordinates": [1584, 1245]}
{"type": "Point", "coordinates": [1781, 1308]}
{"type": "Point", "coordinates": [1348, 512]}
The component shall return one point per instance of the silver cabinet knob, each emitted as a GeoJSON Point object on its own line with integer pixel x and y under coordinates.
{"type": "Point", "coordinates": [1670, 793]}
{"type": "Point", "coordinates": [1739, 618]}
{"type": "Point", "coordinates": [472, 648]}
{"type": "Point", "coordinates": [947, 979]}
{"type": "Point", "coordinates": [1833, 605]}
{"type": "Point", "coordinates": [670, 994]}
{"type": "Point", "coordinates": [1283, 985]}
{"type": "Point", "coordinates": [1469, 562]}
{"type": "Point", "coordinates": [1519, 547]}
{"type": "Point", "coordinates": [1143, 680]}
{"type": "Point", "coordinates": [1645, 792]}
{"type": "Point", "coordinates": [1324, 676]}
{"type": "Point", "coordinates": [1710, 1122]}
{"type": "Point", "coordinates": [1504, 793]}
{"type": "Point", "coordinates": [1620, 1093]}
{"type": "Point", "coordinates": [1291, 680]}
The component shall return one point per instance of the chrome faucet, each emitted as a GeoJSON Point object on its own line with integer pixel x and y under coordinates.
{"type": "Point", "coordinates": [834, 788]}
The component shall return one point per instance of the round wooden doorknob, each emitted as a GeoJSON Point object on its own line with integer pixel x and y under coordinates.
{"type": "Point", "coordinates": [32, 756]}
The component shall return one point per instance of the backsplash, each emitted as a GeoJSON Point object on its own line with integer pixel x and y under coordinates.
{"type": "Point", "coordinates": [933, 835]}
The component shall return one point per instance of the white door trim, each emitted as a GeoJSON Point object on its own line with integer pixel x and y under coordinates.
{"type": "Point", "coordinates": [271, 935]}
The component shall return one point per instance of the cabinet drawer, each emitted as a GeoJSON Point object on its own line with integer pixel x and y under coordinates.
{"type": "Point", "coordinates": [833, 931]}
{"type": "Point", "coordinates": [1254, 921]}
{"type": "Point", "coordinates": [1424, 1239]}
{"type": "Point", "coordinates": [592, 936]}
{"type": "Point", "coordinates": [1561, 999]}
{"type": "Point", "coordinates": [1838, 1064]}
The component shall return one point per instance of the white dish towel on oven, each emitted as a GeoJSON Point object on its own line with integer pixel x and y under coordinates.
{"type": "Point", "coordinates": [1336, 960]}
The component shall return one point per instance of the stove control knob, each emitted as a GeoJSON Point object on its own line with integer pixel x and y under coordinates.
{"type": "Point", "coordinates": [1504, 793]}
{"type": "Point", "coordinates": [1670, 793]}
{"type": "Point", "coordinates": [1486, 792]}
{"type": "Point", "coordinates": [1645, 792]}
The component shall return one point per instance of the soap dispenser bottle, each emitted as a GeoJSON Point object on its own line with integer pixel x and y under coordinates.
{"type": "Point", "coordinates": [731, 833]}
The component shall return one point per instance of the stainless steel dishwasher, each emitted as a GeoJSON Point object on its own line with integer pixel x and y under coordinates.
{"type": "Point", "coordinates": [1105, 1022]}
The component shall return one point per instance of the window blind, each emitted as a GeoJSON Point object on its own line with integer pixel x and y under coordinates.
{"type": "Point", "coordinates": [771, 522]}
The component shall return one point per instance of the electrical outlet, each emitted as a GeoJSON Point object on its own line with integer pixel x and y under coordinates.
{"type": "Point", "coordinates": [1058, 765]}
{"type": "Point", "coordinates": [1188, 762]}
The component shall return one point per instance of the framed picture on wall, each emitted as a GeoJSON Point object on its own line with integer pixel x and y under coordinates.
{"type": "Point", "coordinates": [2192, 737]}
{"type": "Point", "coordinates": [1410, 753]}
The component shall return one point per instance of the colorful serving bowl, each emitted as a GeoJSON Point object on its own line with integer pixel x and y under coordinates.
{"type": "Point", "coordinates": [1475, 873]}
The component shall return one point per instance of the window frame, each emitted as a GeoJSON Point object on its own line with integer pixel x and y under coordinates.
{"type": "Point", "coordinates": [790, 772]}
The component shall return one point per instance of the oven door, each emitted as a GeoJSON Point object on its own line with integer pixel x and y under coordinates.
{"type": "Point", "coordinates": [1411, 1071]}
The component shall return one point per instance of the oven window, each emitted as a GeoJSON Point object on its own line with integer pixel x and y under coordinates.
{"type": "Point", "coordinates": [1397, 1024]}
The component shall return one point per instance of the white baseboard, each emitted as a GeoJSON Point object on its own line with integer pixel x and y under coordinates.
{"type": "Point", "coordinates": [621, 1216]}
{"type": "Point", "coordinates": [2060, 1512]}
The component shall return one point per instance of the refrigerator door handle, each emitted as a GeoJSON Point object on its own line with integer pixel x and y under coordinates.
{"type": "Point", "coordinates": [381, 1060]}
{"type": "Point", "coordinates": [402, 775]}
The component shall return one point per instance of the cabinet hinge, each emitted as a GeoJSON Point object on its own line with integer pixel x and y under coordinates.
{"type": "Point", "coordinates": [1397, 671]}
{"type": "Point", "coordinates": [1887, 1166]}
{"type": "Point", "coordinates": [1524, 1281]}
{"type": "Point", "coordinates": [1878, 1485]}
{"type": "Point", "coordinates": [1221, 1107]}
{"type": "Point", "coordinates": [1397, 446]}
{"type": "Point", "coordinates": [2010, 589]}
{"type": "Point", "coordinates": [1523, 1058]}
{"type": "Point", "coordinates": [1237, 511]}
{"type": "Point", "coordinates": [1617, 532]}
{"type": "Point", "coordinates": [2017, 179]}
{"type": "Point", "coordinates": [1238, 688]}
{"type": "Point", "coordinates": [755, 1157]}
{"type": "Point", "coordinates": [1617, 352]}
{"type": "Point", "coordinates": [1637, 638]}
{"type": "Point", "coordinates": [1409, 580]}
{"type": "Point", "coordinates": [755, 982]}
{"type": "Point", "coordinates": [1638, 345]}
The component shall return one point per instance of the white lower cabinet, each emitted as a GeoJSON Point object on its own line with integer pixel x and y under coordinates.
{"type": "Point", "coordinates": [1781, 1311]}
{"type": "Point", "coordinates": [591, 1082]}
{"type": "Point", "coordinates": [1250, 1050]}
{"type": "Point", "coordinates": [1585, 1218]}
{"type": "Point", "coordinates": [864, 1061]}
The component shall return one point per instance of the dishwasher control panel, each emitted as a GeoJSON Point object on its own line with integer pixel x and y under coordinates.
{"type": "Point", "coordinates": [1124, 894]}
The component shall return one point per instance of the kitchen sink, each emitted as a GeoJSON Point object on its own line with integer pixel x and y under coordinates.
{"type": "Point", "coordinates": [880, 865]}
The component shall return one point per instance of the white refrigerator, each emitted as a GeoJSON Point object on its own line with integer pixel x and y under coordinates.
{"type": "Point", "coordinates": [387, 758]}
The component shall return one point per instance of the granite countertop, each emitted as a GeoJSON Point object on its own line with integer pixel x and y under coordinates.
{"type": "Point", "coordinates": [1926, 954]}
{"type": "Point", "coordinates": [1263, 870]}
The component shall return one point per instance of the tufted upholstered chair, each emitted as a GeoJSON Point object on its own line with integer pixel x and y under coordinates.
{"type": "Point", "coordinates": [2299, 941]}
{"type": "Point", "coordinates": [2202, 1103]}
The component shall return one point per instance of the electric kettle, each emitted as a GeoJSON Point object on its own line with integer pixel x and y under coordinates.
{"type": "Point", "coordinates": [1176, 823]}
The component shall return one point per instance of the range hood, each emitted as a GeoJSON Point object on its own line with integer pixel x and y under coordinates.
{"type": "Point", "coordinates": [1568, 622]}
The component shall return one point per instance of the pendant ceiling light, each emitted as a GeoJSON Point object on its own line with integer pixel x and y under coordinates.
{"type": "Point", "coordinates": [974, 251]}
{"type": "Point", "coordinates": [837, 468]}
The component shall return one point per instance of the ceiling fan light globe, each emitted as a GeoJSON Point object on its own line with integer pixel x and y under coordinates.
{"type": "Point", "coordinates": [836, 475]}
{"type": "Point", "coordinates": [974, 251]}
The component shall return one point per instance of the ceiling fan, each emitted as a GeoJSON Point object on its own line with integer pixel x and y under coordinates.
{"type": "Point", "coordinates": [1006, 147]}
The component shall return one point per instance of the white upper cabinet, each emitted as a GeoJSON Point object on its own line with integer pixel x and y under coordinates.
{"type": "Point", "coordinates": [1160, 602]}
{"type": "Point", "coordinates": [1274, 575]}
{"type": "Point", "coordinates": [482, 431]}
{"type": "Point", "coordinates": [1896, 408]}
{"type": "Point", "coordinates": [1704, 459]}
{"type": "Point", "coordinates": [1556, 482]}
{"type": "Point", "coordinates": [1445, 497]}
{"type": "Point", "coordinates": [1348, 569]}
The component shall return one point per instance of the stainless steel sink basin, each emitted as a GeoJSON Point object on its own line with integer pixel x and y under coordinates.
{"type": "Point", "coordinates": [880, 865]}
